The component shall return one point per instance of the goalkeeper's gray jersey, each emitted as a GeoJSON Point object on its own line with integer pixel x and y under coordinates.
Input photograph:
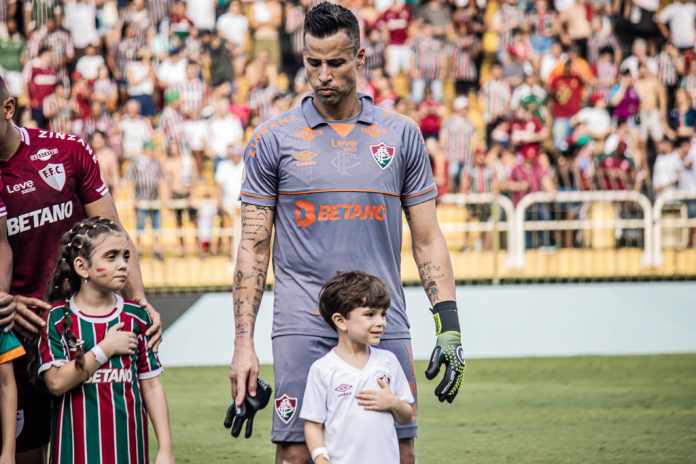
{"type": "Point", "coordinates": [338, 188]}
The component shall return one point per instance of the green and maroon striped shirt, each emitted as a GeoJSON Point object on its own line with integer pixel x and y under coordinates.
{"type": "Point", "coordinates": [104, 419]}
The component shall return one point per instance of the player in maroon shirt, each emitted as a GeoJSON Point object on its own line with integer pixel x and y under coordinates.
{"type": "Point", "coordinates": [7, 305]}
{"type": "Point", "coordinates": [51, 181]}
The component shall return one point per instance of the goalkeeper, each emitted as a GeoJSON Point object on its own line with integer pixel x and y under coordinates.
{"type": "Point", "coordinates": [326, 183]}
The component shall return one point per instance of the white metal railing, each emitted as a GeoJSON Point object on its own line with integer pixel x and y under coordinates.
{"type": "Point", "coordinates": [522, 225]}
{"type": "Point", "coordinates": [661, 223]}
{"type": "Point", "coordinates": [494, 224]}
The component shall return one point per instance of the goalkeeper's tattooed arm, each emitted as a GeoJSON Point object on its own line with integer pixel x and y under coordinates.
{"type": "Point", "coordinates": [430, 252]}
{"type": "Point", "coordinates": [435, 268]}
{"type": "Point", "coordinates": [249, 282]}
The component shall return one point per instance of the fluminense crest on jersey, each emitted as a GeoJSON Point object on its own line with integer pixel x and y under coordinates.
{"type": "Point", "coordinates": [285, 407]}
{"type": "Point", "coordinates": [383, 154]}
{"type": "Point", "coordinates": [54, 175]}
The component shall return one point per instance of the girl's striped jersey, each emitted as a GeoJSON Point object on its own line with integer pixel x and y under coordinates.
{"type": "Point", "coordinates": [104, 419]}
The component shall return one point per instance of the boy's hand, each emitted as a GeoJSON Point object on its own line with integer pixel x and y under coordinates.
{"type": "Point", "coordinates": [164, 457]}
{"type": "Point", "coordinates": [378, 400]}
{"type": "Point", "coordinates": [119, 341]}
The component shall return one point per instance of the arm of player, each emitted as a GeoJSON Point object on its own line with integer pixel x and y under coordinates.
{"type": "Point", "coordinates": [430, 252]}
{"type": "Point", "coordinates": [60, 379]}
{"type": "Point", "coordinates": [7, 304]}
{"type": "Point", "coordinates": [157, 409]}
{"type": "Point", "coordinates": [435, 268]}
{"type": "Point", "coordinates": [8, 412]}
{"type": "Point", "coordinates": [105, 207]}
{"type": "Point", "coordinates": [253, 255]}
{"type": "Point", "coordinates": [314, 437]}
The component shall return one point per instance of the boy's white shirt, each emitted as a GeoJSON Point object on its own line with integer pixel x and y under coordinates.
{"type": "Point", "coordinates": [351, 433]}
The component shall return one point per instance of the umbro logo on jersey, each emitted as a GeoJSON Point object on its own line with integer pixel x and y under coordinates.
{"type": "Point", "coordinates": [285, 408]}
{"type": "Point", "coordinates": [305, 158]}
{"type": "Point", "coordinates": [54, 175]}
{"type": "Point", "coordinates": [343, 390]}
{"type": "Point", "coordinates": [44, 154]}
{"type": "Point", "coordinates": [384, 377]}
{"type": "Point", "coordinates": [22, 187]}
{"type": "Point", "coordinates": [383, 154]}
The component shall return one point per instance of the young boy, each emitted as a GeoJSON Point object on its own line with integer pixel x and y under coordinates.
{"type": "Point", "coordinates": [10, 349]}
{"type": "Point", "coordinates": [355, 392]}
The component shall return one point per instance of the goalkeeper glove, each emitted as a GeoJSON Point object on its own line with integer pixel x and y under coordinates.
{"type": "Point", "coordinates": [448, 350]}
{"type": "Point", "coordinates": [235, 417]}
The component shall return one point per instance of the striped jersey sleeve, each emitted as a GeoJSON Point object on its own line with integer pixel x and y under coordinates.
{"type": "Point", "coordinates": [3, 209]}
{"type": "Point", "coordinates": [148, 363]}
{"type": "Point", "coordinates": [10, 348]}
{"type": "Point", "coordinates": [52, 348]}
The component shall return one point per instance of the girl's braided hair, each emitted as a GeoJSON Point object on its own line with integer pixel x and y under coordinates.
{"type": "Point", "coordinates": [77, 242]}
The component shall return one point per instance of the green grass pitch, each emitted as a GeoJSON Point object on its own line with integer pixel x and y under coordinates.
{"type": "Point", "coordinates": [639, 409]}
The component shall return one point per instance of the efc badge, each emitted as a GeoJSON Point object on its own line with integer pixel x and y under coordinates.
{"type": "Point", "coordinates": [383, 154]}
{"type": "Point", "coordinates": [54, 175]}
{"type": "Point", "coordinates": [285, 407]}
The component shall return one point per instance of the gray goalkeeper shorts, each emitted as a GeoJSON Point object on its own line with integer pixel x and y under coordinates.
{"type": "Point", "coordinates": [293, 355]}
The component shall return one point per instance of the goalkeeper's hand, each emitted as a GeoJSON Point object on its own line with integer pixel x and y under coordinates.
{"type": "Point", "coordinates": [448, 350]}
{"type": "Point", "coordinates": [236, 415]}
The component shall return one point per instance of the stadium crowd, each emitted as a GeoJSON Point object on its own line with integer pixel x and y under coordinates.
{"type": "Point", "coordinates": [511, 96]}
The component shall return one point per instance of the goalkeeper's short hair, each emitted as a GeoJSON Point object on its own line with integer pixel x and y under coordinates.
{"type": "Point", "coordinates": [349, 290]}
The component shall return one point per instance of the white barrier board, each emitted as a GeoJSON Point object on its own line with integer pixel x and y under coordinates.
{"type": "Point", "coordinates": [497, 321]}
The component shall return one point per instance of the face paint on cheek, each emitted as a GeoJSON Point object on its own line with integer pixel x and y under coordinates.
{"type": "Point", "coordinates": [101, 271]}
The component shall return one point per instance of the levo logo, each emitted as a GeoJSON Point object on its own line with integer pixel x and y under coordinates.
{"type": "Point", "coordinates": [307, 213]}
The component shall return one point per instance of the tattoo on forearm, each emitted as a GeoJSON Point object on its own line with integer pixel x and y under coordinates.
{"type": "Point", "coordinates": [430, 273]}
{"type": "Point", "coordinates": [250, 276]}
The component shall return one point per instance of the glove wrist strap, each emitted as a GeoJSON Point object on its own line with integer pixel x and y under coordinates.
{"type": "Point", "coordinates": [446, 317]}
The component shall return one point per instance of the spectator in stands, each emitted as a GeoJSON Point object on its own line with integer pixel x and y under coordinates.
{"type": "Point", "coordinates": [575, 26]}
{"type": "Point", "coordinates": [105, 89]}
{"type": "Point", "coordinates": [12, 56]}
{"type": "Point", "coordinates": [81, 21]}
{"type": "Point", "coordinates": [181, 177]}
{"type": "Point", "coordinates": [532, 174]}
{"type": "Point", "coordinates": [676, 22]}
{"type": "Point", "coordinates": [456, 138]}
{"type": "Point", "coordinates": [172, 70]}
{"type": "Point", "coordinates": [682, 118]}
{"type": "Point", "coordinates": [192, 90]}
{"type": "Point", "coordinates": [653, 105]}
{"type": "Point", "coordinates": [526, 134]}
{"type": "Point", "coordinates": [543, 27]}
{"type": "Point", "coordinates": [233, 26]}
{"type": "Point", "coordinates": [566, 93]}
{"type": "Point", "coordinates": [625, 100]}
{"type": "Point", "coordinates": [41, 79]}
{"type": "Point", "coordinates": [439, 165]}
{"type": "Point", "coordinates": [108, 161]}
{"type": "Point", "coordinates": [224, 130]}
{"type": "Point", "coordinates": [668, 167]}
{"type": "Point", "coordinates": [687, 178]}
{"type": "Point", "coordinates": [195, 137]}
{"type": "Point", "coordinates": [395, 21]}
{"type": "Point", "coordinates": [496, 96]}
{"type": "Point", "coordinates": [140, 75]}
{"type": "Point", "coordinates": [228, 178]}
{"type": "Point", "coordinates": [58, 109]}
{"type": "Point", "coordinates": [171, 121]}
{"type": "Point", "coordinates": [429, 65]}
{"type": "Point", "coordinates": [206, 214]}
{"type": "Point", "coordinates": [88, 65]}
{"type": "Point", "coordinates": [430, 114]}
{"type": "Point", "coordinates": [266, 19]}
{"type": "Point", "coordinates": [593, 121]}
{"type": "Point", "coordinates": [146, 175]}
{"type": "Point", "coordinates": [480, 177]}
{"type": "Point", "coordinates": [136, 130]}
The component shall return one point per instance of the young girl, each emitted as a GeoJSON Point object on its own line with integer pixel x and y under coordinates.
{"type": "Point", "coordinates": [94, 356]}
{"type": "Point", "coordinates": [10, 349]}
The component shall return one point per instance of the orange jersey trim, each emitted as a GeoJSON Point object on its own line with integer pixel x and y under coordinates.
{"type": "Point", "coordinates": [417, 194]}
{"type": "Point", "coordinates": [13, 354]}
{"type": "Point", "coordinates": [256, 195]}
{"type": "Point", "coordinates": [305, 192]}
